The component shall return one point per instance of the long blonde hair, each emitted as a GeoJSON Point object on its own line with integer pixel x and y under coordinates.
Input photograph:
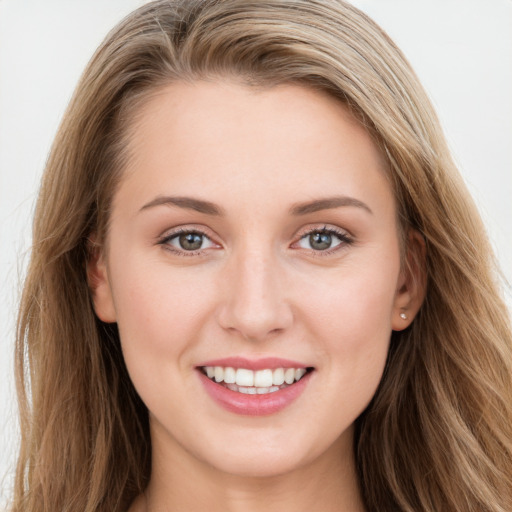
{"type": "Point", "coordinates": [438, 433]}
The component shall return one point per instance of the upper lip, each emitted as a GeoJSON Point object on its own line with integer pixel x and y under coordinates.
{"type": "Point", "coordinates": [254, 364]}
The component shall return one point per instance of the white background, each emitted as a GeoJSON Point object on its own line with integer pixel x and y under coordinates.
{"type": "Point", "coordinates": [461, 50]}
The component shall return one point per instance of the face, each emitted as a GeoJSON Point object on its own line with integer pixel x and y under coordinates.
{"type": "Point", "coordinates": [253, 268]}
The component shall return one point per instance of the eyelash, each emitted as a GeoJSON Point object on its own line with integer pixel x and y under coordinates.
{"type": "Point", "coordinates": [344, 237]}
{"type": "Point", "coordinates": [165, 241]}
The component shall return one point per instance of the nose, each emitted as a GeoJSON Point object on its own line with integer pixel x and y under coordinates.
{"type": "Point", "coordinates": [254, 303]}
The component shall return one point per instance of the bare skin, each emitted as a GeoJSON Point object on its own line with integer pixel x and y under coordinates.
{"type": "Point", "coordinates": [315, 487]}
{"type": "Point", "coordinates": [296, 256]}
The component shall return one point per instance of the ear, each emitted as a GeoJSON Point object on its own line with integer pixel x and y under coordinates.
{"type": "Point", "coordinates": [412, 282]}
{"type": "Point", "coordinates": [99, 284]}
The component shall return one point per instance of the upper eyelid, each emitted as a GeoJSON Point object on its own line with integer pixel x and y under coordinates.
{"type": "Point", "coordinates": [192, 228]}
{"type": "Point", "coordinates": [208, 233]}
{"type": "Point", "coordinates": [164, 241]}
{"type": "Point", "coordinates": [345, 237]}
{"type": "Point", "coordinates": [323, 227]}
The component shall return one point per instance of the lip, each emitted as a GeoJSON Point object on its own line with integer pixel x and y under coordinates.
{"type": "Point", "coordinates": [254, 405]}
{"type": "Point", "coordinates": [254, 364]}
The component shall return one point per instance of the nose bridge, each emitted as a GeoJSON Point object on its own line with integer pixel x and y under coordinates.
{"type": "Point", "coordinates": [255, 304]}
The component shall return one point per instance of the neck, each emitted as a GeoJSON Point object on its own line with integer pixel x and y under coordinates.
{"type": "Point", "coordinates": [182, 482]}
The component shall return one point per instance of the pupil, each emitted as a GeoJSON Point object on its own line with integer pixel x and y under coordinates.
{"type": "Point", "coordinates": [319, 241]}
{"type": "Point", "coordinates": [191, 241]}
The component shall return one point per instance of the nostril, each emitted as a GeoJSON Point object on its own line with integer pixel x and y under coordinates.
{"type": "Point", "coordinates": [254, 302]}
{"type": "Point", "coordinates": [255, 322]}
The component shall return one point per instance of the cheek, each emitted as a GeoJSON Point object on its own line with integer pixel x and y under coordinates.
{"type": "Point", "coordinates": [160, 312]}
{"type": "Point", "coordinates": [351, 318]}
{"type": "Point", "coordinates": [354, 301]}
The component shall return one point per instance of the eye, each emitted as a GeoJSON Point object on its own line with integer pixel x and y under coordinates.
{"type": "Point", "coordinates": [187, 241]}
{"type": "Point", "coordinates": [323, 239]}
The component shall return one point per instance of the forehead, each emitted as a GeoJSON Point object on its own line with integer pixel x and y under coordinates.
{"type": "Point", "coordinates": [221, 136]}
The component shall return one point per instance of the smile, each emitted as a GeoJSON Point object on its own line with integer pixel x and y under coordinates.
{"type": "Point", "coordinates": [250, 382]}
{"type": "Point", "coordinates": [254, 388]}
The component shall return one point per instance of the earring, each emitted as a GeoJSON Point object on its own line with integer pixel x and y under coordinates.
{"type": "Point", "coordinates": [403, 316]}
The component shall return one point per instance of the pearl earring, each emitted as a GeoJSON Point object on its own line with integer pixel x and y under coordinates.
{"type": "Point", "coordinates": [403, 316]}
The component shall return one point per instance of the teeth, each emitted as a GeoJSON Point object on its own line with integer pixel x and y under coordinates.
{"type": "Point", "coordinates": [254, 382]}
{"type": "Point", "coordinates": [229, 375]}
{"type": "Point", "coordinates": [289, 375]}
{"type": "Point", "coordinates": [252, 390]}
{"type": "Point", "coordinates": [278, 377]}
{"type": "Point", "coordinates": [219, 374]}
{"type": "Point", "coordinates": [299, 373]}
{"type": "Point", "coordinates": [244, 377]}
{"type": "Point", "coordinates": [263, 378]}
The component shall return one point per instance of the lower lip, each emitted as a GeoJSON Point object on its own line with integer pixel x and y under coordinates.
{"type": "Point", "coordinates": [254, 405]}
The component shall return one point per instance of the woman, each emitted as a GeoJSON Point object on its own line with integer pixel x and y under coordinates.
{"type": "Point", "coordinates": [257, 280]}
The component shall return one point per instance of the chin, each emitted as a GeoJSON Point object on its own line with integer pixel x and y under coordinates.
{"type": "Point", "coordinates": [261, 456]}
{"type": "Point", "coordinates": [257, 465]}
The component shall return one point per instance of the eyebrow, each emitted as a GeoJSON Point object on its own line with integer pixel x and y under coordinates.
{"type": "Point", "coordinates": [327, 204]}
{"type": "Point", "coordinates": [188, 203]}
{"type": "Point", "coordinates": [209, 208]}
